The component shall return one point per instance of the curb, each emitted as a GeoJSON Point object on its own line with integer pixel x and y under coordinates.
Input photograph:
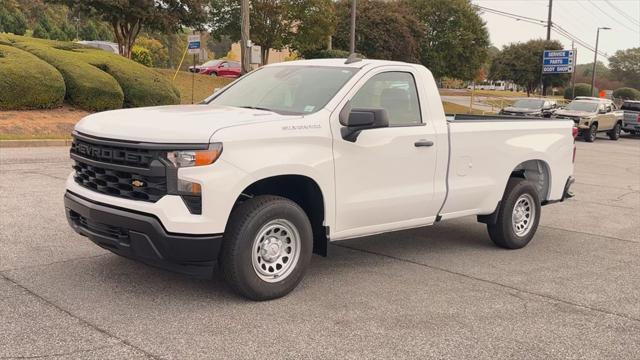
{"type": "Point", "coordinates": [34, 143]}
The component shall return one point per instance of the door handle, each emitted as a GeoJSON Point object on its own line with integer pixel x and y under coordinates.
{"type": "Point", "coordinates": [421, 143]}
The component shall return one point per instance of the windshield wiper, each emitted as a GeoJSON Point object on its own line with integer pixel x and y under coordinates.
{"type": "Point", "coordinates": [256, 108]}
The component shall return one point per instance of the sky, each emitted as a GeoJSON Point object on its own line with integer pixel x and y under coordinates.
{"type": "Point", "coordinates": [581, 18]}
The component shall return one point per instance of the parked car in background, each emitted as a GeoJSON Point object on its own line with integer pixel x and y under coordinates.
{"type": "Point", "coordinates": [631, 117]}
{"type": "Point", "coordinates": [222, 68]}
{"type": "Point", "coordinates": [531, 107]}
{"type": "Point", "coordinates": [592, 117]}
{"type": "Point", "coordinates": [104, 45]}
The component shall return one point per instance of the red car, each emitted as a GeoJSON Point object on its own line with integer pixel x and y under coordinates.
{"type": "Point", "coordinates": [222, 68]}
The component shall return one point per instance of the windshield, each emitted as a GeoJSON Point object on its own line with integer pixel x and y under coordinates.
{"type": "Point", "coordinates": [294, 90]}
{"type": "Point", "coordinates": [633, 106]}
{"type": "Point", "coordinates": [528, 104]}
{"type": "Point", "coordinates": [583, 106]}
{"type": "Point", "coordinates": [211, 63]}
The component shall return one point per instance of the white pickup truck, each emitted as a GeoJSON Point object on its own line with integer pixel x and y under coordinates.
{"type": "Point", "coordinates": [275, 165]}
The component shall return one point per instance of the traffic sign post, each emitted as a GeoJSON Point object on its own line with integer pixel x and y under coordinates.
{"type": "Point", "coordinates": [193, 46]}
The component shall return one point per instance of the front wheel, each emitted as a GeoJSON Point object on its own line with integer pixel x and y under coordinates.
{"type": "Point", "coordinates": [267, 247]}
{"type": "Point", "coordinates": [589, 135]}
{"type": "Point", "coordinates": [518, 215]}
{"type": "Point", "coordinates": [213, 74]}
{"type": "Point", "coordinates": [614, 134]}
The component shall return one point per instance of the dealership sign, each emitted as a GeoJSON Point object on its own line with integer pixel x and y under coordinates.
{"type": "Point", "coordinates": [558, 61]}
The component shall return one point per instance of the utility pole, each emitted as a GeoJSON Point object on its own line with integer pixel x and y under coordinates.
{"type": "Point", "coordinates": [549, 20]}
{"type": "Point", "coordinates": [542, 86]}
{"type": "Point", "coordinates": [595, 60]}
{"type": "Point", "coordinates": [352, 43]}
{"type": "Point", "coordinates": [244, 37]}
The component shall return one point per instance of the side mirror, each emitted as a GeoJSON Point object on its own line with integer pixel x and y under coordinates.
{"type": "Point", "coordinates": [602, 111]}
{"type": "Point", "coordinates": [357, 119]}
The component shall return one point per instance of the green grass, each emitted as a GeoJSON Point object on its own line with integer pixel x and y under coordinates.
{"type": "Point", "coordinates": [26, 82]}
{"type": "Point", "coordinates": [204, 85]}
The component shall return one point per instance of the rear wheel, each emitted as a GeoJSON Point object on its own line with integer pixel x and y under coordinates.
{"type": "Point", "coordinates": [213, 74]}
{"type": "Point", "coordinates": [589, 135]}
{"type": "Point", "coordinates": [518, 215]}
{"type": "Point", "coordinates": [267, 247]}
{"type": "Point", "coordinates": [614, 134]}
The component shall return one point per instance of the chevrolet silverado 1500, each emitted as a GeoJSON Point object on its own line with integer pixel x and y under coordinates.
{"type": "Point", "coordinates": [291, 156]}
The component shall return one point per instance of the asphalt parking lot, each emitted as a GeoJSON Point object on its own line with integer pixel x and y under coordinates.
{"type": "Point", "coordinates": [438, 292]}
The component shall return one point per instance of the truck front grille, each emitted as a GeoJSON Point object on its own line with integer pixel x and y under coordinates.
{"type": "Point", "coordinates": [124, 184]}
{"type": "Point", "coordinates": [119, 169]}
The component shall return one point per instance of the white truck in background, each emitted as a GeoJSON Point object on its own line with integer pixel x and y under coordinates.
{"type": "Point", "coordinates": [294, 155]}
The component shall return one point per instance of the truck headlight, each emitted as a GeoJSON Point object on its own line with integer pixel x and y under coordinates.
{"type": "Point", "coordinates": [189, 158]}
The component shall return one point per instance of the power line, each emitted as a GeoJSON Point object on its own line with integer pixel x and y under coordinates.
{"type": "Point", "coordinates": [622, 13]}
{"type": "Point", "coordinates": [561, 31]}
{"type": "Point", "coordinates": [557, 28]}
{"type": "Point", "coordinates": [616, 21]}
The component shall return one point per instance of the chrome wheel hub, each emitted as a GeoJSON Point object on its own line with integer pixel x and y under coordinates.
{"type": "Point", "coordinates": [523, 215]}
{"type": "Point", "coordinates": [276, 249]}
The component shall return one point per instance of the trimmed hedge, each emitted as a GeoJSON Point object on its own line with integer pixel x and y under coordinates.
{"type": "Point", "coordinates": [26, 82]}
{"type": "Point", "coordinates": [99, 80]}
{"type": "Point", "coordinates": [626, 93]}
{"type": "Point", "coordinates": [582, 89]}
{"type": "Point", "coordinates": [87, 86]}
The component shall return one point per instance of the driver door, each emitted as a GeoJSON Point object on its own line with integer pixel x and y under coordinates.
{"type": "Point", "coordinates": [385, 178]}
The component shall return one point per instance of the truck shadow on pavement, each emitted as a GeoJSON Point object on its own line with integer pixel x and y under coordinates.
{"type": "Point", "coordinates": [360, 256]}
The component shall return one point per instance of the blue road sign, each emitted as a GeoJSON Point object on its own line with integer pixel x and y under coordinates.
{"type": "Point", "coordinates": [194, 45]}
{"type": "Point", "coordinates": [557, 61]}
{"type": "Point", "coordinates": [557, 69]}
{"type": "Point", "coordinates": [558, 54]}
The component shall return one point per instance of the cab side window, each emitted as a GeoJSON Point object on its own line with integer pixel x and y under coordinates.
{"type": "Point", "coordinates": [393, 91]}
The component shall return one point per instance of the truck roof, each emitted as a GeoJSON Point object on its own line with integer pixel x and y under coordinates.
{"type": "Point", "coordinates": [341, 63]}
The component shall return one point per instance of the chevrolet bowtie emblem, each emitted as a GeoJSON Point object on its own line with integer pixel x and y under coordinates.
{"type": "Point", "coordinates": [137, 183]}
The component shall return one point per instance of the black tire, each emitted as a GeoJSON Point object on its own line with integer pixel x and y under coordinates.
{"type": "Point", "coordinates": [213, 74]}
{"type": "Point", "coordinates": [502, 232]}
{"type": "Point", "coordinates": [245, 223]}
{"type": "Point", "coordinates": [589, 135]}
{"type": "Point", "coordinates": [614, 134]}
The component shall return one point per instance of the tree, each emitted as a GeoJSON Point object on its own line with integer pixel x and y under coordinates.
{"type": "Point", "coordinates": [625, 66]}
{"type": "Point", "coordinates": [456, 39]}
{"type": "Point", "coordinates": [129, 17]}
{"type": "Point", "coordinates": [12, 20]}
{"type": "Point", "coordinates": [275, 24]}
{"type": "Point", "coordinates": [384, 30]}
{"type": "Point", "coordinates": [522, 64]}
{"type": "Point", "coordinates": [158, 54]}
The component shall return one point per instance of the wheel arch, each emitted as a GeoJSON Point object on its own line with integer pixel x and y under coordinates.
{"type": "Point", "coordinates": [538, 172]}
{"type": "Point", "coordinates": [302, 190]}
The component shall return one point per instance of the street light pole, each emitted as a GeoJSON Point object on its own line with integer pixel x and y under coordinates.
{"type": "Point", "coordinates": [352, 43]}
{"type": "Point", "coordinates": [595, 60]}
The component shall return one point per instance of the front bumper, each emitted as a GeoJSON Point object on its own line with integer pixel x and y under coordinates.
{"type": "Point", "coordinates": [142, 237]}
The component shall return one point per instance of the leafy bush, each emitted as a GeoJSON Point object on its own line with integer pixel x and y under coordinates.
{"type": "Point", "coordinates": [12, 20]}
{"type": "Point", "coordinates": [26, 82]}
{"type": "Point", "coordinates": [141, 55]}
{"type": "Point", "coordinates": [159, 53]}
{"type": "Point", "coordinates": [87, 86]}
{"type": "Point", "coordinates": [99, 80]}
{"type": "Point", "coordinates": [626, 93]}
{"type": "Point", "coordinates": [582, 89]}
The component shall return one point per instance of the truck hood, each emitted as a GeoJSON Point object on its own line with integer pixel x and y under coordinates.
{"type": "Point", "coordinates": [520, 110]}
{"type": "Point", "coordinates": [574, 113]}
{"type": "Point", "coordinates": [187, 124]}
